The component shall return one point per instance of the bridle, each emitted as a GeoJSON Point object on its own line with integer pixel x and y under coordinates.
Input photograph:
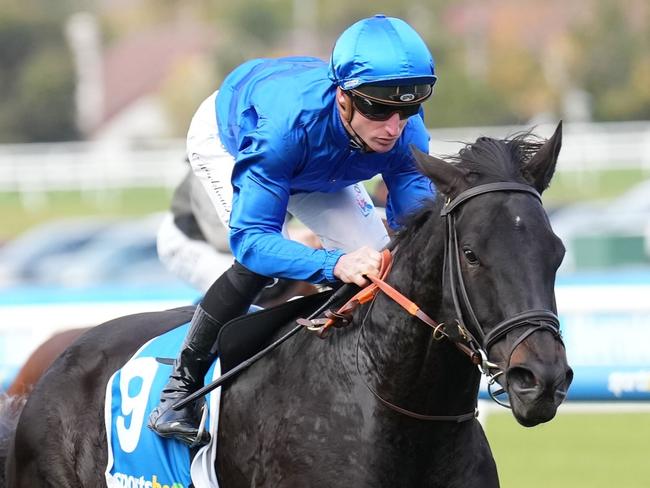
{"type": "Point", "coordinates": [463, 337]}
{"type": "Point", "coordinates": [535, 319]}
{"type": "Point", "coordinates": [538, 319]}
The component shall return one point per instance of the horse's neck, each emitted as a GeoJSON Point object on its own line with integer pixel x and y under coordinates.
{"type": "Point", "coordinates": [398, 354]}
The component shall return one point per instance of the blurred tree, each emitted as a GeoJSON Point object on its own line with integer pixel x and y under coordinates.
{"type": "Point", "coordinates": [508, 66]}
{"type": "Point", "coordinates": [44, 9]}
{"type": "Point", "coordinates": [460, 100]}
{"type": "Point", "coordinates": [124, 17]}
{"type": "Point", "coordinates": [516, 77]}
{"type": "Point", "coordinates": [613, 62]}
{"type": "Point", "coordinates": [43, 105]}
{"type": "Point", "coordinates": [188, 85]}
{"type": "Point", "coordinates": [264, 21]}
{"type": "Point", "coordinates": [255, 28]}
{"type": "Point", "coordinates": [36, 81]}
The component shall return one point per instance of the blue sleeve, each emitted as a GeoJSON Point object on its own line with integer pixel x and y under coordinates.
{"type": "Point", "coordinates": [407, 187]}
{"type": "Point", "coordinates": [260, 196]}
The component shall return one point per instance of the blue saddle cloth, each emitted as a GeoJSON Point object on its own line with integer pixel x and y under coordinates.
{"type": "Point", "coordinates": [137, 457]}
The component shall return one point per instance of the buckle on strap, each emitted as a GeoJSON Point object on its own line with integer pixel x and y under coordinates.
{"type": "Point", "coordinates": [343, 316]}
{"type": "Point", "coordinates": [320, 326]}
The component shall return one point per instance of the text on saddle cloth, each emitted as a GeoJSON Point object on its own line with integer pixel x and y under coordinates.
{"type": "Point", "coordinates": [136, 455]}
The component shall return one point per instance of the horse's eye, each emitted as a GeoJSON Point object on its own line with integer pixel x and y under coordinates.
{"type": "Point", "coordinates": [470, 256]}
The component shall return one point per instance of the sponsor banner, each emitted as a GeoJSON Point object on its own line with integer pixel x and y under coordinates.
{"type": "Point", "coordinates": [602, 383]}
{"type": "Point", "coordinates": [610, 383]}
{"type": "Point", "coordinates": [608, 351]}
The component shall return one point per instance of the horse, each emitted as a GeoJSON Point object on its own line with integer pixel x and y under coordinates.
{"type": "Point", "coordinates": [390, 399]}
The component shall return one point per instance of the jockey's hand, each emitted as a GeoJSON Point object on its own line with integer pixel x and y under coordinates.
{"type": "Point", "coordinates": [351, 267]}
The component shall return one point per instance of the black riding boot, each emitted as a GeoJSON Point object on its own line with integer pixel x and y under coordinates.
{"type": "Point", "coordinates": [191, 365]}
{"type": "Point", "coordinates": [229, 297]}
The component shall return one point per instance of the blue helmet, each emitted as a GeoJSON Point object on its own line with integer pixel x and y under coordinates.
{"type": "Point", "coordinates": [382, 51]}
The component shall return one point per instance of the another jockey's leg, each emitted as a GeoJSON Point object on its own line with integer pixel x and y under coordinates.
{"type": "Point", "coordinates": [229, 297]}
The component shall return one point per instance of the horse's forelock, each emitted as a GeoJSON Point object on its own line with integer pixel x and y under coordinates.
{"type": "Point", "coordinates": [499, 159]}
{"type": "Point", "coordinates": [493, 159]}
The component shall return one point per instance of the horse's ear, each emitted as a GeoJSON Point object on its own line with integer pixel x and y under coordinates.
{"type": "Point", "coordinates": [539, 170]}
{"type": "Point", "coordinates": [449, 179]}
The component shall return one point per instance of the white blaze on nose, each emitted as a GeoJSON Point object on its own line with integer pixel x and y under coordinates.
{"type": "Point", "coordinates": [517, 221]}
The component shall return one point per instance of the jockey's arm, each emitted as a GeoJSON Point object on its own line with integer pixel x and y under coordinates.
{"type": "Point", "coordinates": [260, 199]}
{"type": "Point", "coordinates": [407, 187]}
{"type": "Point", "coordinates": [406, 193]}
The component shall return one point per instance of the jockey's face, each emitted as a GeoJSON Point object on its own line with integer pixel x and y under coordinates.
{"type": "Point", "coordinates": [379, 135]}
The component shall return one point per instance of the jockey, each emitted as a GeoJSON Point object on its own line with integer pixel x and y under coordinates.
{"type": "Point", "coordinates": [297, 135]}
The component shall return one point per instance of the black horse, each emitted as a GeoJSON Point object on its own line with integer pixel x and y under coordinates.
{"type": "Point", "coordinates": [385, 402]}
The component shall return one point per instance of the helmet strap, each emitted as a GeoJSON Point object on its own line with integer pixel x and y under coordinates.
{"type": "Point", "coordinates": [346, 109]}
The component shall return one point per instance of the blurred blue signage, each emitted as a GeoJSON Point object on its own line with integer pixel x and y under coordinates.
{"type": "Point", "coordinates": [609, 353]}
{"type": "Point", "coordinates": [605, 323]}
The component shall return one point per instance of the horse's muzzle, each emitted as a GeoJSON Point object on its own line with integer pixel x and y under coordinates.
{"type": "Point", "coordinates": [536, 387]}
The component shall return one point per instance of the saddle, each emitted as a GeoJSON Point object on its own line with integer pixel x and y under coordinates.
{"type": "Point", "coordinates": [244, 336]}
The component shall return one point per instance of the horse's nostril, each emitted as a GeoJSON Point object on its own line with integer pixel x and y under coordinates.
{"type": "Point", "coordinates": [521, 377]}
{"type": "Point", "coordinates": [568, 377]}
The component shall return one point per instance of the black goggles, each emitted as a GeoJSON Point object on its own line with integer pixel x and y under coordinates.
{"type": "Point", "coordinates": [374, 110]}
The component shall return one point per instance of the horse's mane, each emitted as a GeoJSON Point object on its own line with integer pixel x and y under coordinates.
{"type": "Point", "coordinates": [486, 159]}
{"type": "Point", "coordinates": [499, 159]}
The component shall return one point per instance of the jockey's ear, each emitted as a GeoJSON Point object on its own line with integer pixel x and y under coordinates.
{"type": "Point", "coordinates": [344, 103]}
{"type": "Point", "coordinates": [541, 167]}
{"type": "Point", "coordinates": [448, 178]}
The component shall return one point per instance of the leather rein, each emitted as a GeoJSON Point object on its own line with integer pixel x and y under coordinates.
{"type": "Point", "coordinates": [459, 335]}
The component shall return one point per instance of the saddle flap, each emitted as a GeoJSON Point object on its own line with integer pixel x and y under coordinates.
{"type": "Point", "coordinates": [241, 338]}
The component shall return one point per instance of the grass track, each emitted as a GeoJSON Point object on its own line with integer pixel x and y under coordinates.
{"type": "Point", "coordinates": [573, 451]}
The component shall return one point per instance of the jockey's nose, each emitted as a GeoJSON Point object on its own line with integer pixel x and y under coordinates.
{"type": "Point", "coordinates": [392, 124]}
